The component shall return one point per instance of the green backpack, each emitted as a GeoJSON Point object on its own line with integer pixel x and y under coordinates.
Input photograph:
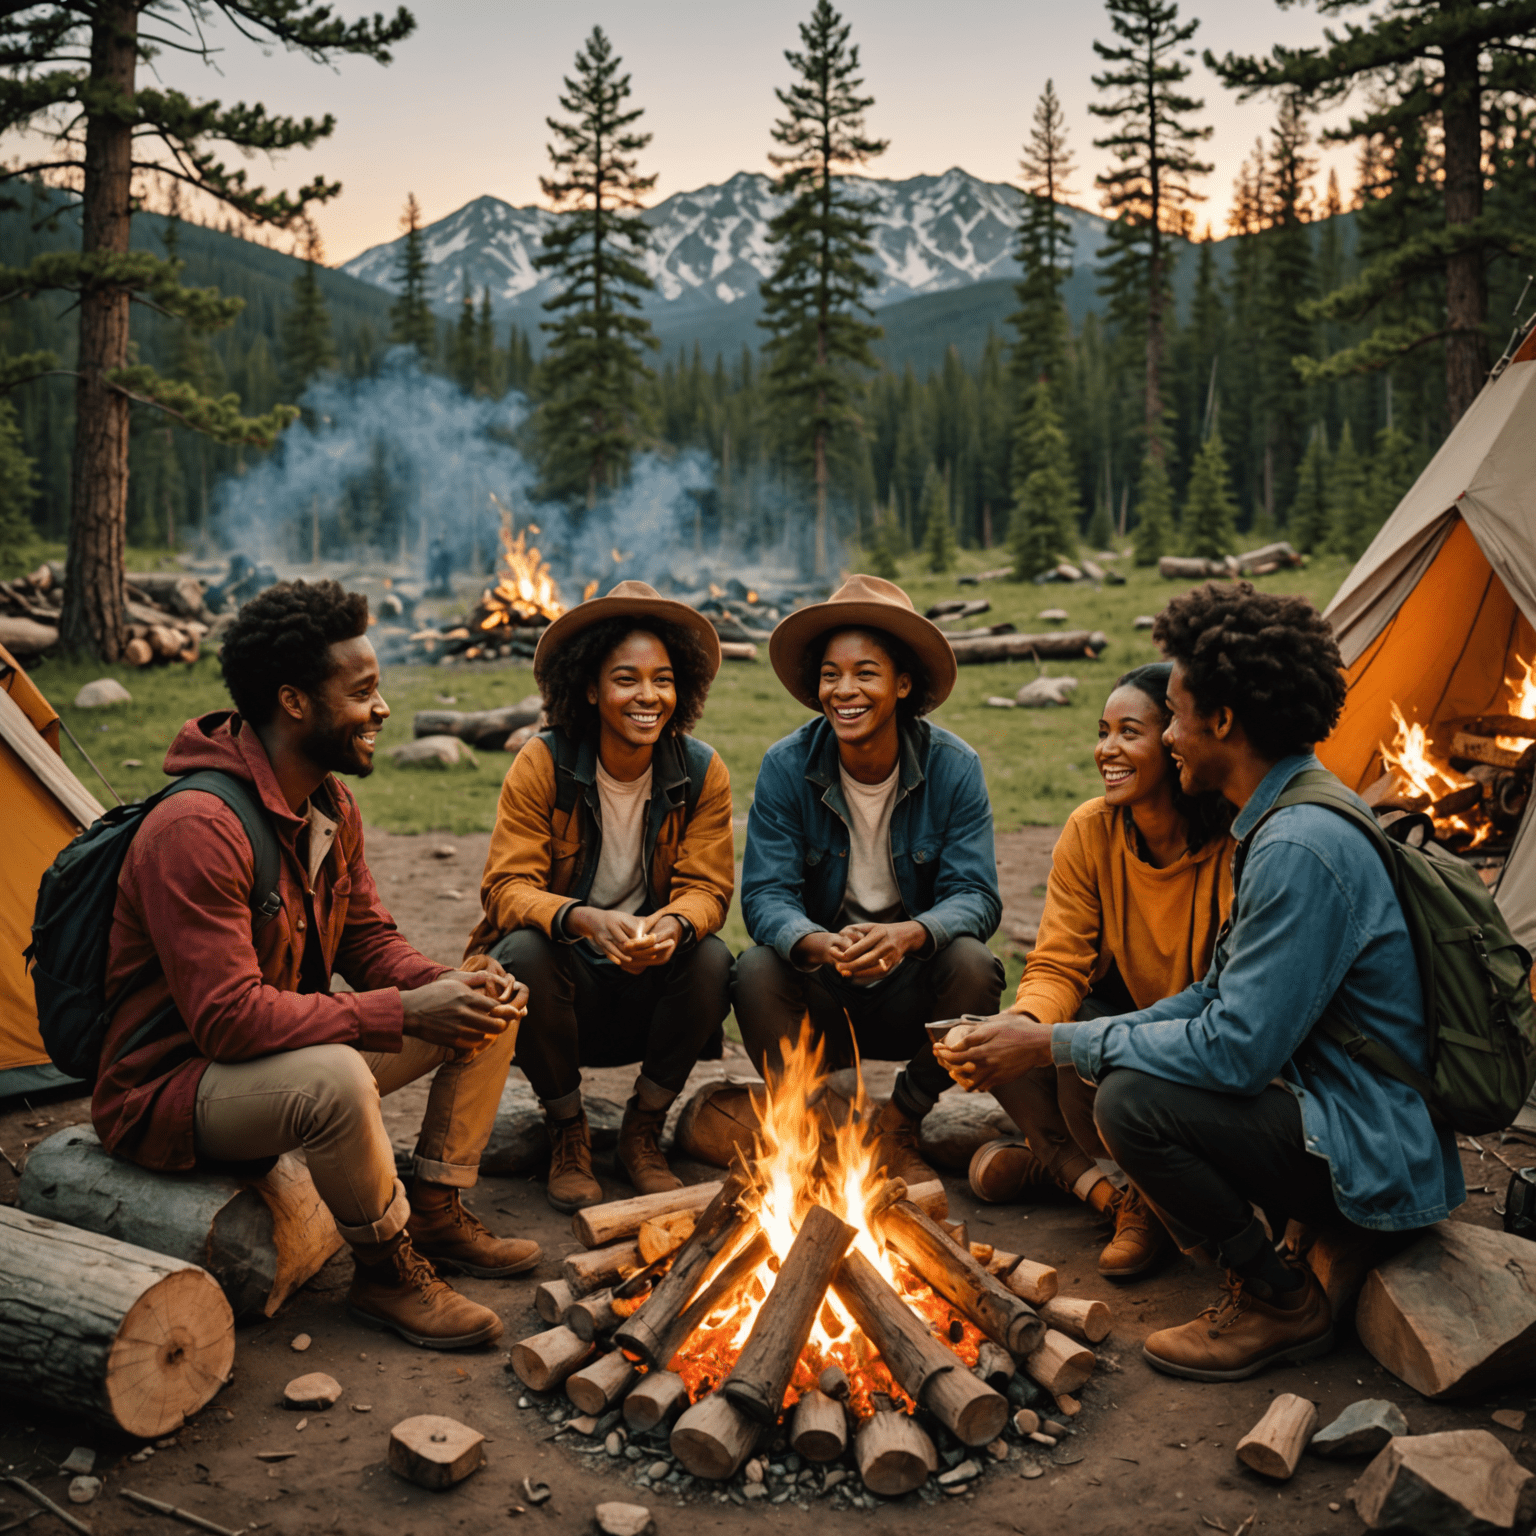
{"type": "Point", "coordinates": [1476, 979]}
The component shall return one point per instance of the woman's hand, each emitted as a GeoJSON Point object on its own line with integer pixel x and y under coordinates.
{"type": "Point", "coordinates": [863, 951]}
{"type": "Point", "coordinates": [997, 1050]}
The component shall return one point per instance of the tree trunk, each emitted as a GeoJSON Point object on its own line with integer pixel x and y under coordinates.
{"type": "Point", "coordinates": [93, 590]}
{"type": "Point", "coordinates": [89, 1325]}
{"type": "Point", "coordinates": [1466, 288]}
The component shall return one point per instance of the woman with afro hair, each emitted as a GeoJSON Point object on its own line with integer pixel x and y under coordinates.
{"type": "Point", "coordinates": [609, 874]}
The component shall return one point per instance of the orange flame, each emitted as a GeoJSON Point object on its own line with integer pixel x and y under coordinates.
{"type": "Point", "coordinates": [1522, 703]}
{"type": "Point", "coordinates": [1409, 758]}
{"type": "Point", "coordinates": [526, 586]}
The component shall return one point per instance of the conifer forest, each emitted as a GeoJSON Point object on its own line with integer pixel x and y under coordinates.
{"type": "Point", "coordinates": [1283, 371]}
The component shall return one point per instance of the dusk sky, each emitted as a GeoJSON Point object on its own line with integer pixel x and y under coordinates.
{"type": "Point", "coordinates": [461, 111]}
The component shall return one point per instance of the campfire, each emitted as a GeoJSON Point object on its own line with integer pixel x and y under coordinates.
{"type": "Point", "coordinates": [1476, 791]}
{"type": "Point", "coordinates": [809, 1288]}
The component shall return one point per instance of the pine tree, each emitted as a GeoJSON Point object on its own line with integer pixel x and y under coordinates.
{"type": "Point", "coordinates": [1209, 523]}
{"type": "Point", "coordinates": [1393, 469]}
{"type": "Point", "coordinates": [1042, 529]}
{"type": "Point", "coordinates": [519, 360]}
{"type": "Point", "coordinates": [1148, 191]}
{"type": "Point", "coordinates": [18, 488]}
{"type": "Point", "coordinates": [1348, 510]}
{"type": "Point", "coordinates": [463, 358]}
{"type": "Point", "coordinates": [592, 418]}
{"type": "Point", "coordinates": [1045, 242]}
{"type": "Point", "coordinates": [487, 370]}
{"type": "Point", "coordinates": [1101, 526]}
{"type": "Point", "coordinates": [938, 525]}
{"type": "Point", "coordinates": [411, 323]}
{"type": "Point", "coordinates": [70, 87]}
{"type": "Point", "coordinates": [1441, 61]}
{"type": "Point", "coordinates": [308, 346]}
{"type": "Point", "coordinates": [1307, 522]}
{"type": "Point", "coordinates": [885, 546]}
{"type": "Point", "coordinates": [823, 266]}
{"type": "Point", "coordinates": [1154, 529]}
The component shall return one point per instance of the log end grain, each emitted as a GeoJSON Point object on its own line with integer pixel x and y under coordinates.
{"type": "Point", "coordinates": [656, 1397]}
{"type": "Point", "coordinates": [435, 1452]}
{"type": "Point", "coordinates": [818, 1429]}
{"type": "Point", "coordinates": [1274, 1445]}
{"type": "Point", "coordinates": [894, 1455]}
{"type": "Point", "coordinates": [713, 1438]}
{"type": "Point", "coordinates": [543, 1360]}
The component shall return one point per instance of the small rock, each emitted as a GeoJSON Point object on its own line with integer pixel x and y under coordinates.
{"type": "Point", "coordinates": [623, 1519]}
{"type": "Point", "coordinates": [271, 1455]}
{"type": "Point", "coordinates": [1042, 1439]}
{"type": "Point", "coordinates": [1143, 621]}
{"type": "Point", "coordinates": [1068, 1405]}
{"type": "Point", "coordinates": [302, 1424]}
{"type": "Point", "coordinates": [83, 1489]}
{"type": "Point", "coordinates": [833, 1478]}
{"type": "Point", "coordinates": [105, 690]}
{"type": "Point", "coordinates": [300, 1342]}
{"type": "Point", "coordinates": [1054, 615]}
{"type": "Point", "coordinates": [658, 1470]}
{"type": "Point", "coordinates": [1361, 1430]}
{"type": "Point", "coordinates": [1334, 1508]}
{"type": "Point", "coordinates": [1046, 692]}
{"type": "Point", "coordinates": [754, 1470]}
{"type": "Point", "coordinates": [535, 1493]}
{"type": "Point", "coordinates": [1026, 1421]}
{"type": "Point", "coordinates": [523, 1402]}
{"type": "Point", "coordinates": [995, 701]}
{"type": "Point", "coordinates": [362, 1407]}
{"type": "Point", "coordinates": [998, 1450]}
{"type": "Point", "coordinates": [964, 1473]}
{"type": "Point", "coordinates": [614, 1444]}
{"type": "Point", "coordinates": [1509, 1418]}
{"type": "Point", "coordinates": [133, 762]}
{"type": "Point", "coordinates": [143, 1455]}
{"type": "Point", "coordinates": [1055, 1427]}
{"type": "Point", "coordinates": [432, 752]}
{"type": "Point", "coordinates": [1031, 1469]}
{"type": "Point", "coordinates": [754, 1491]}
{"type": "Point", "coordinates": [445, 851]}
{"type": "Point", "coordinates": [584, 1425]}
{"type": "Point", "coordinates": [316, 1391]}
{"type": "Point", "coordinates": [81, 1460]}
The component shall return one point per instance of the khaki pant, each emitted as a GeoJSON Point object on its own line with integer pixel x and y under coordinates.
{"type": "Point", "coordinates": [325, 1099]}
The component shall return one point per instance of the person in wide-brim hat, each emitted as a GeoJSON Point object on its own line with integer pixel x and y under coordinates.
{"type": "Point", "coordinates": [610, 871]}
{"type": "Point", "coordinates": [870, 880]}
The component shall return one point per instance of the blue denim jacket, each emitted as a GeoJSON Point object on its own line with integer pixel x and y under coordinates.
{"type": "Point", "coordinates": [1316, 915]}
{"type": "Point", "coordinates": [796, 866]}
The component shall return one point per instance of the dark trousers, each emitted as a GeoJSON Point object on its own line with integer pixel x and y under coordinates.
{"type": "Point", "coordinates": [883, 1021]}
{"type": "Point", "coordinates": [1204, 1159]}
{"type": "Point", "coordinates": [582, 1014]}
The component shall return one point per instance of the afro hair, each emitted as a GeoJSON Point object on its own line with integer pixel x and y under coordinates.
{"type": "Point", "coordinates": [1271, 660]}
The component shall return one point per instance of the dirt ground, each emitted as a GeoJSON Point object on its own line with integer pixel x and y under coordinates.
{"type": "Point", "coordinates": [1148, 1454]}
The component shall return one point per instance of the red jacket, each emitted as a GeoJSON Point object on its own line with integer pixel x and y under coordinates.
{"type": "Point", "coordinates": [184, 897]}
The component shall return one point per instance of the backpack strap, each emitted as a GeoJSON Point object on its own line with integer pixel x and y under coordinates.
{"type": "Point", "coordinates": [564, 752]}
{"type": "Point", "coordinates": [241, 798]}
{"type": "Point", "coordinates": [697, 757]}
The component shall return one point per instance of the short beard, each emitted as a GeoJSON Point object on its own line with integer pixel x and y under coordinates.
{"type": "Point", "coordinates": [333, 747]}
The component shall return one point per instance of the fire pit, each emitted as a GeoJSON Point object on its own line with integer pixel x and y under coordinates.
{"type": "Point", "coordinates": [810, 1301]}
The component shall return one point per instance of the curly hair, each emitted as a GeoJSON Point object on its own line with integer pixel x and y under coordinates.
{"type": "Point", "coordinates": [1207, 815]}
{"type": "Point", "coordinates": [916, 704]}
{"type": "Point", "coordinates": [285, 635]}
{"type": "Point", "coordinates": [1271, 660]}
{"type": "Point", "coordinates": [572, 668]}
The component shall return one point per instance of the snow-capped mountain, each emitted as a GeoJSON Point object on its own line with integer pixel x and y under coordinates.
{"type": "Point", "coordinates": [709, 248]}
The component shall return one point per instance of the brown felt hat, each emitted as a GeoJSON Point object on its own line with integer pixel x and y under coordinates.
{"type": "Point", "coordinates": [862, 602]}
{"type": "Point", "coordinates": [629, 600]}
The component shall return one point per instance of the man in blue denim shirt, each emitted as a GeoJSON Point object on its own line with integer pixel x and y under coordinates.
{"type": "Point", "coordinates": [870, 878]}
{"type": "Point", "coordinates": [1222, 1098]}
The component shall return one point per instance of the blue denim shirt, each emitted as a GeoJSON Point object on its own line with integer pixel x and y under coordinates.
{"type": "Point", "coordinates": [1316, 915]}
{"type": "Point", "coordinates": [796, 866]}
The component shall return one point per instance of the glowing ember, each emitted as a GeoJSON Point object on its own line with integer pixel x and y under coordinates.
{"type": "Point", "coordinates": [526, 587]}
{"type": "Point", "coordinates": [799, 1160]}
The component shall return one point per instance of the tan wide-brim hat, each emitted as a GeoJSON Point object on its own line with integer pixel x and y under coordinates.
{"type": "Point", "coordinates": [629, 600]}
{"type": "Point", "coordinates": [862, 602]}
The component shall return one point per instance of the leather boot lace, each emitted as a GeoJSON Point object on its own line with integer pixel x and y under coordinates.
{"type": "Point", "coordinates": [1225, 1312]}
{"type": "Point", "coordinates": [567, 1145]}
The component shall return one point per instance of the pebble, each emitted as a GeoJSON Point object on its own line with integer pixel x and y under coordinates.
{"type": "Point", "coordinates": [1055, 1427]}
{"type": "Point", "coordinates": [81, 1460]}
{"type": "Point", "coordinates": [623, 1519]}
{"type": "Point", "coordinates": [754, 1491]}
{"type": "Point", "coordinates": [614, 1444]}
{"type": "Point", "coordinates": [1026, 1421]}
{"type": "Point", "coordinates": [301, 1341]}
{"type": "Point", "coordinates": [1031, 1469]}
{"type": "Point", "coordinates": [961, 1474]}
{"type": "Point", "coordinates": [362, 1407]}
{"type": "Point", "coordinates": [833, 1478]}
{"type": "Point", "coordinates": [1335, 1508]}
{"type": "Point", "coordinates": [583, 1425]}
{"type": "Point", "coordinates": [754, 1471]}
{"type": "Point", "coordinates": [317, 1391]}
{"type": "Point", "coordinates": [633, 1453]}
{"type": "Point", "coordinates": [658, 1470]}
{"type": "Point", "coordinates": [956, 1490]}
{"type": "Point", "coordinates": [998, 1450]}
{"type": "Point", "coordinates": [83, 1489]}
{"type": "Point", "coordinates": [143, 1455]}
{"type": "Point", "coordinates": [133, 762]}
{"type": "Point", "coordinates": [523, 1402]}
{"type": "Point", "coordinates": [1041, 1439]}
{"type": "Point", "coordinates": [166, 1444]}
{"type": "Point", "coordinates": [1510, 1418]}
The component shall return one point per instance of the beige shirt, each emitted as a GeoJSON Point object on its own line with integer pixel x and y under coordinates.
{"type": "Point", "coordinates": [872, 895]}
{"type": "Point", "coordinates": [322, 838]}
{"type": "Point", "coordinates": [619, 884]}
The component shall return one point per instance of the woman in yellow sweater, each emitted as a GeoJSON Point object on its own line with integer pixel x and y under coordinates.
{"type": "Point", "coordinates": [1140, 882]}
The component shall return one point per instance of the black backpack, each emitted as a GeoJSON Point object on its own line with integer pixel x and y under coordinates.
{"type": "Point", "coordinates": [73, 922]}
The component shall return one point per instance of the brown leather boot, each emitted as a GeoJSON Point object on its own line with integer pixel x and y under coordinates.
{"type": "Point", "coordinates": [898, 1147]}
{"type": "Point", "coordinates": [444, 1232]}
{"type": "Point", "coordinates": [571, 1186]}
{"type": "Point", "coordinates": [639, 1152]}
{"type": "Point", "coordinates": [1006, 1170]}
{"type": "Point", "coordinates": [1240, 1335]}
{"type": "Point", "coordinates": [395, 1288]}
{"type": "Point", "coordinates": [1140, 1239]}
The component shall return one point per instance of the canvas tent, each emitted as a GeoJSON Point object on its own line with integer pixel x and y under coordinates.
{"type": "Point", "coordinates": [1437, 610]}
{"type": "Point", "coordinates": [45, 807]}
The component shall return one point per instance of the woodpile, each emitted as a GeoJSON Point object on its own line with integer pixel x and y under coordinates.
{"type": "Point", "coordinates": [1264, 561]}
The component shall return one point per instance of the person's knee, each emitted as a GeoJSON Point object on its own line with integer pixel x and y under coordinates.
{"type": "Point", "coordinates": [341, 1086]}
{"type": "Point", "coordinates": [967, 971]}
{"type": "Point", "coordinates": [526, 953]}
{"type": "Point", "coordinates": [760, 973]}
{"type": "Point", "coordinates": [1122, 1107]}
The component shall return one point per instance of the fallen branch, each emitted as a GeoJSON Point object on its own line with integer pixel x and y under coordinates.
{"type": "Point", "coordinates": [44, 1502]}
{"type": "Point", "coordinates": [175, 1512]}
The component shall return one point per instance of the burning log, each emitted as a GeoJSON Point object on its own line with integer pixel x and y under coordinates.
{"type": "Point", "coordinates": [662, 1235]}
{"type": "Point", "coordinates": [955, 1275]}
{"type": "Point", "coordinates": [994, 1365]}
{"type": "Point", "coordinates": [1484, 749]}
{"type": "Point", "coordinates": [544, 1360]}
{"type": "Point", "coordinates": [1060, 1364]}
{"type": "Point", "coordinates": [659, 1396]}
{"type": "Point", "coordinates": [1061, 645]}
{"type": "Point", "coordinates": [930, 1198]}
{"type": "Point", "coordinates": [819, 1428]}
{"type": "Point", "coordinates": [714, 1437]}
{"type": "Point", "coordinates": [833, 1383]}
{"type": "Point", "coordinates": [761, 1374]}
{"type": "Point", "coordinates": [1089, 1321]}
{"type": "Point", "coordinates": [618, 1219]}
{"type": "Point", "coordinates": [929, 1373]}
{"type": "Point", "coordinates": [894, 1455]}
{"type": "Point", "coordinates": [591, 1271]}
{"type": "Point", "coordinates": [598, 1385]}
{"type": "Point", "coordinates": [592, 1317]}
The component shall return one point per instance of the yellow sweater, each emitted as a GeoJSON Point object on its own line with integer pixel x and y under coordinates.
{"type": "Point", "coordinates": [1103, 904]}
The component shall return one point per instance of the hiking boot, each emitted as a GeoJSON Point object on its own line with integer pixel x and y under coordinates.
{"type": "Point", "coordinates": [571, 1186]}
{"type": "Point", "coordinates": [897, 1148]}
{"type": "Point", "coordinates": [639, 1150]}
{"type": "Point", "coordinates": [1006, 1170]}
{"type": "Point", "coordinates": [444, 1232]}
{"type": "Point", "coordinates": [1240, 1335]}
{"type": "Point", "coordinates": [1140, 1239]}
{"type": "Point", "coordinates": [395, 1288]}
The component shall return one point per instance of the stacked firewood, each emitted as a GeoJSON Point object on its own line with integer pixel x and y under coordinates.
{"type": "Point", "coordinates": [167, 618]}
{"type": "Point", "coordinates": [631, 1309]}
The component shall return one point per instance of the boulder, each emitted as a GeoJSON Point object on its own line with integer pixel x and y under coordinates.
{"type": "Point", "coordinates": [432, 752]}
{"type": "Point", "coordinates": [1055, 615]}
{"type": "Point", "coordinates": [518, 1142]}
{"type": "Point", "coordinates": [958, 1124]}
{"type": "Point", "coordinates": [1143, 621]}
{"type": "Point", "coordinates": [101, 692]}
{"type": "Point", "coordinates": [1461, 1483]}
{"type": "Point", "coordinates": [1363, 1429]}
{"type": "Point", "coordinates": [1045, 692]}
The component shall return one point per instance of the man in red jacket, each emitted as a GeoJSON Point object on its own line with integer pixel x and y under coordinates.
{"type": "Point", "coordinates": [255, 1054]}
